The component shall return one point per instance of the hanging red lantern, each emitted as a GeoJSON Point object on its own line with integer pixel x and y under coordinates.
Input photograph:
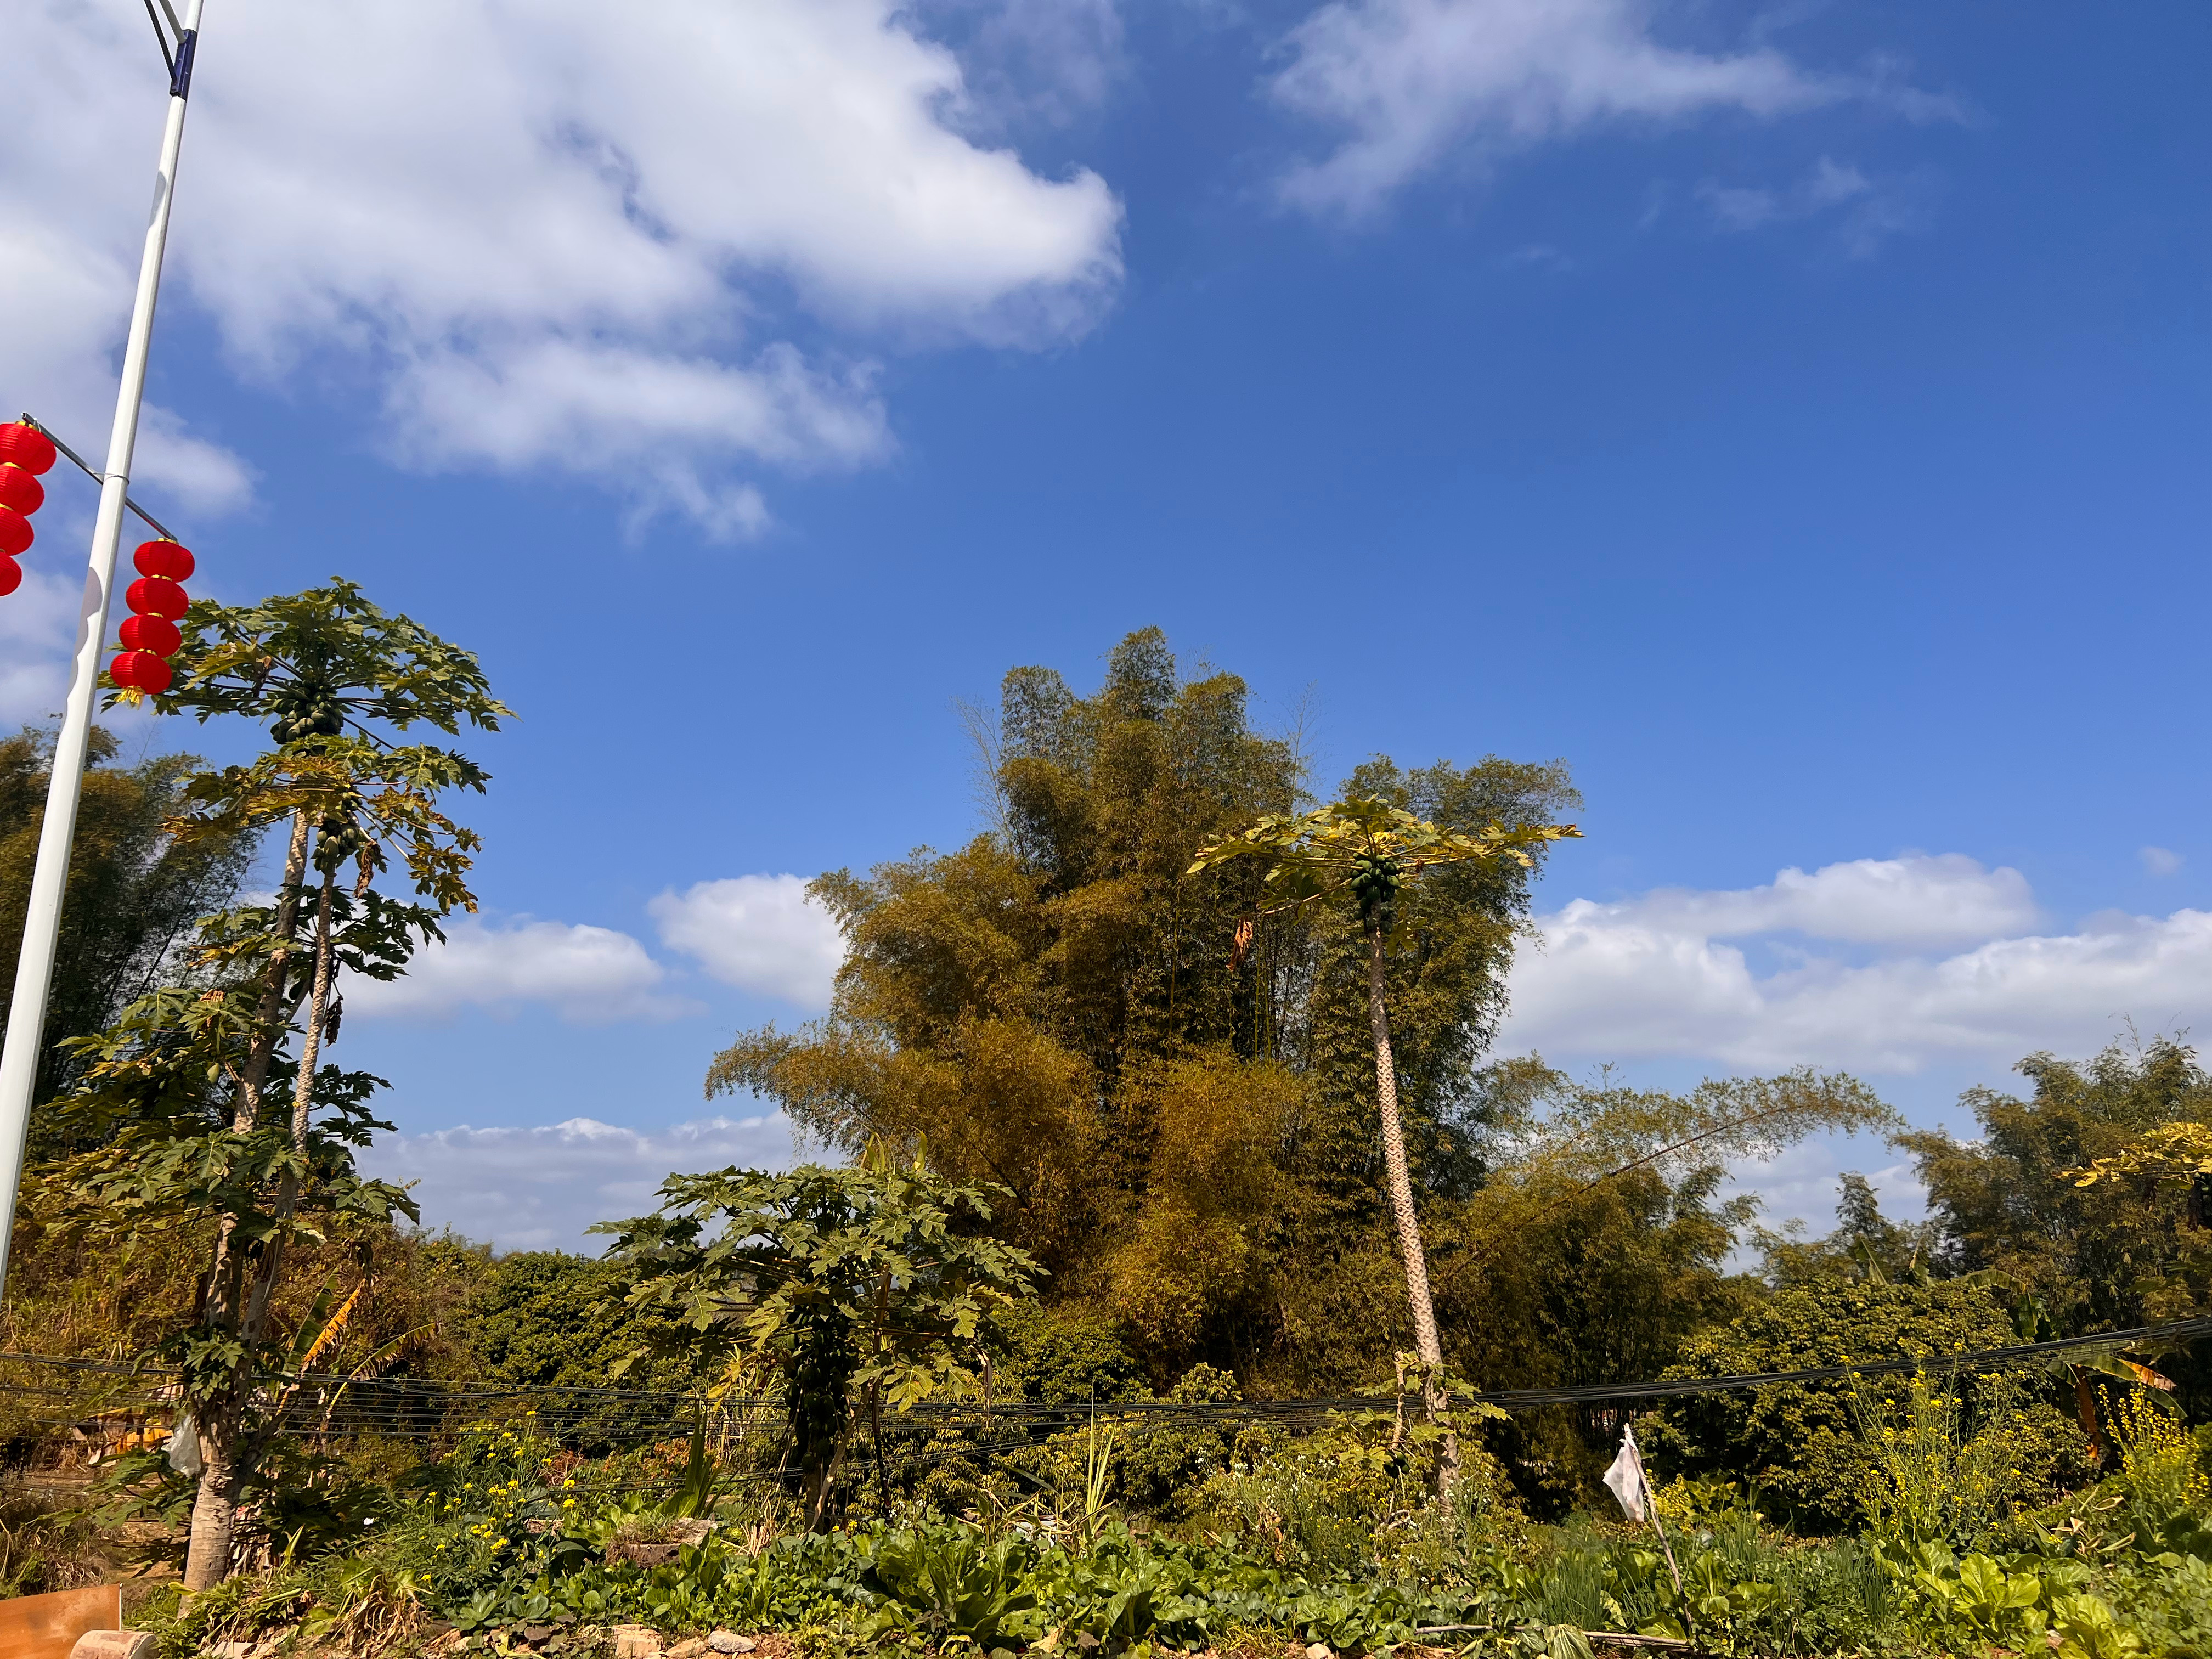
{"type": "Point", "coordinates": [26, 447]}
{"type": "Point", "coordinates": [141, 671]}
{"type": "Point", "coordinates": [11, 576]}
{"type": "Point", "coordinates": [156, 633]}
{"type": "Point", "coordinates": [15, 531]}
{"type": "Point", "coordinates": [20, 490]}
{"type": "Point", "coordinates": [156, 596]}
{"type": "Point", "coordinates": [163, 558]}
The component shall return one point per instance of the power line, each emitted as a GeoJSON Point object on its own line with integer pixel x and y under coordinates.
{"type": "Point", "coordinates": [423, 1407]}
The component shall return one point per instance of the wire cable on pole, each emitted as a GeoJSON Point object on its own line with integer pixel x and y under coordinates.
{"type": "Point", "coordinates": [144, 517]}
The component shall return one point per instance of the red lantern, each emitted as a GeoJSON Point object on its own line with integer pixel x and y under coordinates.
{"type": "Point", "coordinates": [156, 633]}
{"type": "Point", "coordinates": [156, 596]}
{"type": "Point", "coordinates": [20, 490]}
{"type": "Point", "coordinates": [26, 447]}
{"type": "Point", "coordinates": [163, 558]}
{"type": "Point", "coordinates": [141, 671]}
{"type": "Point", "coordinates": [15, 531]}
{"type": "Point", "coordinates": [11, 576]}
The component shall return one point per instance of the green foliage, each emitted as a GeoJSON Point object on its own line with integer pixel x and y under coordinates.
{"type": "Point", "coordinates": [180, 1105]}
{"type": "Point", "coordinates": [318, 660]}
{"type": "Point", "coordinates": [1187, 1116]}
{"type": "Point", "coordinates": [1798, 1441]}
{"type": "Point", "coordinates": [1866, 1244]}
{"type": "Point", "coordinates": [882, 1279]}
{"type": "Point", "coordinates": [1595, 1249]}
{"type": "Point", "coordinates": [1933, 1477]}
{"type": "Point", "coordinates": [1165, 1464]}
{"type": "Point", "coordinates": [1346, 1549]}
{"type": "Point", "coordinates": [2109, 1256]}
{"type": "Point", "coordinates": [544, 1319]}
{"type": "Point", "coordinates": [46, 1543]}
{"type": "Point", "coordinates": [1354, 1498]}
{"type": "Point", "coordinates": [134, 893]}
{"type": "Point", "coordinates": [2168, 1489]}
{"type": "Point", "coordinates": [1058, 1356]}
{"type": "Point", "coordinates": [1365, 847]}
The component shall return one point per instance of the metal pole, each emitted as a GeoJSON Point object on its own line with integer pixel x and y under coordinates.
{"type": "Point", "coordinates": [34, 968]}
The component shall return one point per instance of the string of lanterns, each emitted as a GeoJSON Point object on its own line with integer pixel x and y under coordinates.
{"type": "Point", "coordinates": [156, 599]}
{"type": "Point", "coordinates": [25, 452]}
{"type": "Point", "coordinates": [149, 633]}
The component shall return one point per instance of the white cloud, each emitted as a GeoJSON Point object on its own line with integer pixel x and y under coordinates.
{"type": "Point", "coordinates": [1799, 1183]}
{"type": "Point", "coordinates": [1906, 900]}
{"type": "Point", "coordinates": [1868, 212]}
{"type": "Point", "coordinates": [589, 975]}
{"type": "Point", "coordinates": [655, 254]}
{"type": "Point", "coordinates": [2161, 860]}
{"type": "Point", "coordinates": [538, 1189]}
{"type": "Point", "coordinates": [37, 621]}
{"type": "Point", "coordinates": [72, 222]}
{"type": "Point", "coordinates": [1032, 60]}
{"type": "Point", "coordinates": [1410, 82]}
{"type": "Point", "coordinates": [1653, 976]}
{"type": "Point", "coordinates": [1736, 207]}
{"type": "Point", "coordinates": [761, 933]}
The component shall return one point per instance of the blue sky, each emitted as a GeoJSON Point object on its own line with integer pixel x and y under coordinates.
{"type": "Point", "coordinates": [1793, 416]}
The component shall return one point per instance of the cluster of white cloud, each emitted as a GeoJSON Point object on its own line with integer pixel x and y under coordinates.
{"type": "Point", "coordinates": [545, 240]}
{"type": "Point", "coordinates": [588, 975]}
{"type": "Point", "coordinates": [1880, 965]}
{"type": "Point", "coordinates": [1657, 976]}
{"type": "Point", "coordinates": [1867, 213]}
{"type": "Point", "coordinates": [1888, 965]}
{"type": "Point", "coordinates": [1411, 84]}
{"type": "Point", "coordinates": [37, 624]}
{"type": "Point", "coordinates": [760, 933]}
{"type": "Point", "coordinates": [670, 252]}
{"type": "Point", "coordinates": [540, 1188]}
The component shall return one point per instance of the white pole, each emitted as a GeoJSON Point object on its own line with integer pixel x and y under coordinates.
{"type": "Point", "coordinates": [42, 920]}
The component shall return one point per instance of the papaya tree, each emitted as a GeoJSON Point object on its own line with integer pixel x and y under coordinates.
{"type": "Point", "coordinates": [214, 1103]}
{"type": "Point", "coordinates": [881, 1281]}
{"type": "Point", "coordinates": [1373, 849]}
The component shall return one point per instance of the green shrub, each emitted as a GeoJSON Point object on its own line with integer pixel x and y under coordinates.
{"type": "Point", "coordinates": [1797, 1441]}
{"type": "Point", "coordinates": [2169, 1496]}
{"type": "Point", "coordinates": [545, 1319]}
{"type": "Point", "coordinates": [1353, 1496]}
{"type": "Point", "coordinates": [1066, 1356]}
{"type": "Point", "coordinates": [1936, 1474]}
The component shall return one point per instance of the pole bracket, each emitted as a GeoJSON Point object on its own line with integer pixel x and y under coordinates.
{"type": "Point", "coordinates": [180, 73]}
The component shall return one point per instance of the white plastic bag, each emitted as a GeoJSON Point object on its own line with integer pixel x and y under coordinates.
{"type": "Point", "coordinates": [184, 1448]}
{"type": "Point", "coordinates": [1626, 1477]}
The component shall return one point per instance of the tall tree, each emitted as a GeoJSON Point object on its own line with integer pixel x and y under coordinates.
{"type": "Point", "coordinates": [1056, 1007]}
{"type": "Point", "coordinates": [1372, 849]}
{"type": "Point", "coordinates": [134, 891]}
{"type": "Point", "coordinates": [215, 1113]}
{"type": "Point", "coordinates": [2107, 1254]}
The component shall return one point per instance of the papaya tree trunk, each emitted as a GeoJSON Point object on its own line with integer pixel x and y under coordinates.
{"type": "Point", "coordinates": [217, 1421]}
{"type": "Point", "coordinates": [1399, 1181]}
{"type": "Point", "coordinates": [222, 1299]}
{"type": "Point", "coordinates": [274, 1002]}
{"type": "Point", "coordinates": [226, 1459]}
{"type": "Point", "coordinates": [303, 1096]}
{"type": "Point", "coordinates": [215, 1509]}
